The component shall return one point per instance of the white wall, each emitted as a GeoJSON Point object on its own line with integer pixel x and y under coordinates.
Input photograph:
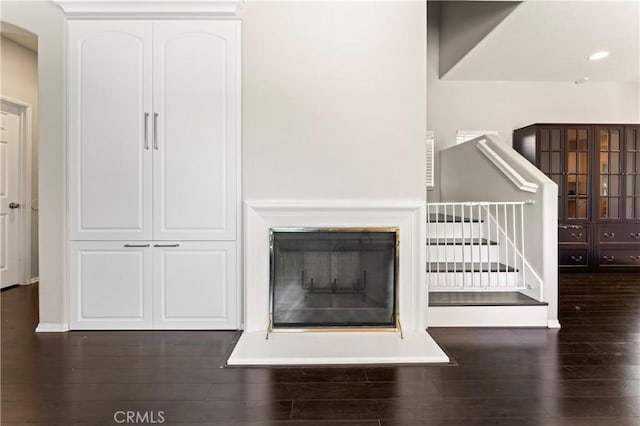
{"type": "Point", "coordinates": [334, 107]}
{"type": "Point", "coordinates": [46, 20]}
{"type": "Point", "coordinates": [505, 106]}
{"type": "Point", "coordinates": [334, 101]}
{"type": "Point", "coordinates": [19, 71]}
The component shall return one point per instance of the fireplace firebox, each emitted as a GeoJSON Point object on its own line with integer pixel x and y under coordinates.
{"type": "Point", "coordinates": [344, 278]}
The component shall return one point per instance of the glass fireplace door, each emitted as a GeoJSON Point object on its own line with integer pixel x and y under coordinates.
{"type": "Point", "coordinates": [333, 278]}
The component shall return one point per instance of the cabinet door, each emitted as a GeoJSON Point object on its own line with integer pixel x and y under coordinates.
{"type": "Point", "coordinates": [564, 154]}
{"type": "Point", "coordinates": [109, 156]}
{"type": "Point", "coordinates": [550, 161]}
{"type": "Point", "coordinates": [110, 285]}
{"type": "Point", "coordinates": [632, 173]}
{"type": "Point", "coordinates": [196, 97]}
{"type": "Point", "coordinates": [609, 173]}
{"type": "Point", "coordinates": [577, 167]}
{"type": "Point", "coordinates": [195, 285]}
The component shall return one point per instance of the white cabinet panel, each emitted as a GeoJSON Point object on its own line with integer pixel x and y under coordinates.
{"type": "Point", "coordinates": [109, 95]}
{"type": "Point", "coordinates": [195, 285]}
{"type": "Point", "coordinates": [154, 160]}
{"type": "Point", "coordinates": [195, 96]}
{"type": "Point", "coordinates": [111, 285]}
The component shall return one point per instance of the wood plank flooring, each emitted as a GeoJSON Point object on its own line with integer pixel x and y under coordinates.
{"type": "Point", "coordinates": [586, 374]}
{"type": "Point", "coordinates": [481, 298]}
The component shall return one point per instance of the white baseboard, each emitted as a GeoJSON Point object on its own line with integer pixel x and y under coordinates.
{"type": "Point", "coordinates": [52, 327]}
{"type": "Point", "coordinates": [553, 324]}
{"type": "Point", "coordinates": [487, 316]}
{"type": "Point", "coordinates": [35, 280]}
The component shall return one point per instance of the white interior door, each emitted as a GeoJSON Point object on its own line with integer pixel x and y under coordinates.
{"type": "Point", "coordinates": [194, 285]}
{"type": "Point", "coordinates": [109, 130]}
{"type": "Point", "coordinates": [10, 204]}
{"type": "Point", "coordinates": [195, 96]}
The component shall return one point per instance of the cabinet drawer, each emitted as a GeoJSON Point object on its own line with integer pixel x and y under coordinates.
{"type": "Point", "coordinates": [619, 257]}
{"type": "Point", "coordinates": [573, 234]}
{"type": "Point", "coordinates": [624, 233]}
{"type": "Point", "coordinates": [573, 257]}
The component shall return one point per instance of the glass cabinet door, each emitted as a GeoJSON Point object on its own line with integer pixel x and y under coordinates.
{"type": "Point", "coordinates": [632, 173]}
{"type": "Point", "coordinates": [551, 160]}
{"type": "Point", "coordinates": [577, 168]}
{"type": "Point", "coordinates": [609, 163]}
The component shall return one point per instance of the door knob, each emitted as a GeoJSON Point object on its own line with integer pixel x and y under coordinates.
{"type": "Point", "coordinates": [14, 205]}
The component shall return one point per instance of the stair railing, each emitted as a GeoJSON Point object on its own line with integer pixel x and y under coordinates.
{"type": "Point", "coordinates": [475, 246]}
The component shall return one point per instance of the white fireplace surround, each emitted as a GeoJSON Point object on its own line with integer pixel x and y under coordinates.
{"type": "Point", "coordinates": [260, 216]}
{"type": "Point", "coordinates": [293, 348]}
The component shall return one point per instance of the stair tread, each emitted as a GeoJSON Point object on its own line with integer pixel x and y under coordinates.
{"type": "Point", "coordinates": [482, 298]}
{"type": "Point", "coordinates": [460, 242]}
{"type": "Point", "coordinates": [442, 218]}
{"type": "Point", "coordinates": [469, 267]}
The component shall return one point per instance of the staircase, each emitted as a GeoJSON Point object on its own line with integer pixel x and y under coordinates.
{"type": "Point", "coordinates": [476, 269]}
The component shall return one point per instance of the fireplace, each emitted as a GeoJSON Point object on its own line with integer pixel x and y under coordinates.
{"type": "Point", "coordinates": [335, 241]}
{"type": "Point", "coordinates": [324, 278]}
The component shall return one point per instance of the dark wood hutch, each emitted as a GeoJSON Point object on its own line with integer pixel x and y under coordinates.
{"type": "Point", "coordinates": [597, 169]}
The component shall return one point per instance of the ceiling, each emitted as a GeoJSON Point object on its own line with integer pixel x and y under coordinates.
{"type": "Point", "coordinates": [540, 40]}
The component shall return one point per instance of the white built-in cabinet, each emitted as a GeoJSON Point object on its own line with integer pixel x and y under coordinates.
{"type": "Point", "coordinates": [154, 173]}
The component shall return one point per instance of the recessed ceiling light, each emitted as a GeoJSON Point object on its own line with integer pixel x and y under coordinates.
{"type": "Point", "coordinates": [599, 55]}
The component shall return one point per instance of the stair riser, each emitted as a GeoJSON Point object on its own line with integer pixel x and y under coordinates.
{"type": "Point", "coordinates": [462, 253]}
{"type": "Point", "coordinates": [454, 230]}
{"type": "Point", "coordinates": [451, 281]}
{"type": "Point", "coordinates": [487, 316]}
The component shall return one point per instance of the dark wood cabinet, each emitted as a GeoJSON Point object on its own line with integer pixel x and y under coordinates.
{"type": "Point", "coordinates": [597, 170]}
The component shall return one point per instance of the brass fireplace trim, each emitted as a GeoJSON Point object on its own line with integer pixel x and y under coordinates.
{"type": "Point", "coordinates": [395, 328]}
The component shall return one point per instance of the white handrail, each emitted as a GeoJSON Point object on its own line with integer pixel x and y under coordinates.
{"type": "Point", "coordinates": [480, 203]}
{"type": "Point", "coordinates": [515, 177]}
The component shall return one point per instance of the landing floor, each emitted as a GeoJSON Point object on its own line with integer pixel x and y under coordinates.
{"type": "Point", "coordinates": [480, 298]}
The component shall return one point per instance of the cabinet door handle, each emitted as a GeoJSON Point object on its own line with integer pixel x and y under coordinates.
{"type": "Point", "coordinates": [576, 235]}
{"type": "Point", "coordinates": [609, 235]}
{"type": "Point", "coordinates": [146, 130]}
{"type": "Point", "coordinates": [576, 259]}
{"type": "Point", "coordinates": [166, 245]}
{"type": "Point", "coordinates": [634, 258]}
{"type": "Point", "coordinates": [569, 226]}
{"type": "Point", "coordinates": [635, 235]}
{"type": "Point", "coordinates": [608, 258]}
{"type": "Point", "coordinates": [137, 245]}
{"type": "Point", "coordinates": [155, 130]}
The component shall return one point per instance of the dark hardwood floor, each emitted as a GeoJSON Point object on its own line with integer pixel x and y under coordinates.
{"type": "Point", "coordinates": [586, 374]}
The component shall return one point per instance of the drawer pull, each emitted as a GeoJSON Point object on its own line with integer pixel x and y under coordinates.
{"type": "Point", "coordinates": [137, 245]}
{"type": "Point", "coordinates": [609, 235]}
{"type": "Point", "coordinates": [608, 258]}
{"type": "Point", "coordinates": [634, 258]}
{"type": "Point", "coordinates": [166, 245]}
{"type": "Point", "coordinates": [569, 226]}
{"type": "Point", "coordinates": [635, 235]}
{"type": "Point", "coordinates": [576, 235]}
{"type": "Point", "coordinates": [576, 259]}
